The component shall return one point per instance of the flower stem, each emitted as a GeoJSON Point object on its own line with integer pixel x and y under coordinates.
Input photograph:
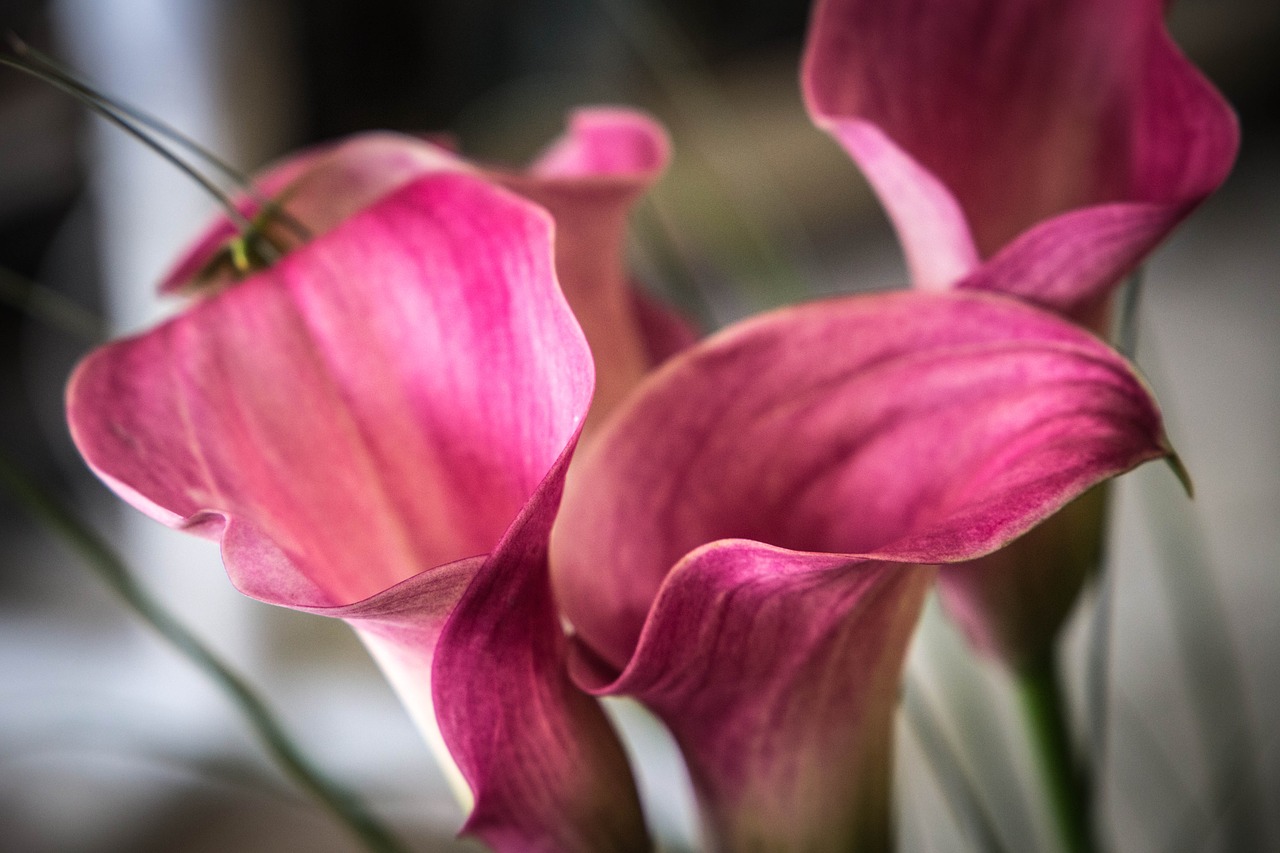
{"type": "Point", "coordinates": [63, 78]}
{"type": "Point", "coordinates": [49, 306]}
{"type": "Point", "coordinates": [1042, 708]}
{"type": "Point", "coordinates": [125, 124]}
{"type": "Point", "coordinates": [112, 570]}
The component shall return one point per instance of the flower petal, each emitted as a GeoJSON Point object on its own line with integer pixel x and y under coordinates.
{"type": "Point", "coordinates": [844, 426]}
{"type": "Point", "coordinates": [607, 145]}
{"type": "Point", "coordinates": [1064, 141]}
{"type": "Point", "coordinates": [778, 674]}
{"type": "Point", "coordinates": [569, 789]}
{"type": "Point", "coordinates": [321, 187]}
{"type": "Point", "coordinates": [841, 438]}
{"type": "Point", "coordinates": [384, 400]}
{"type": "Point", "coordinates": [362, 424]}
{"type": "Point", "coordinates": [589, 180]}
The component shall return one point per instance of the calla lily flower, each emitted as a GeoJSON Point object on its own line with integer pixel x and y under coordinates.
{"type": "Point", "coordinates": [1038, 149]}
{"type": "Point", "coordinates": [746, 545]}
{"type": "Point", "coordinates": [1057, 143]}
{"type": "Point", "coordinates": [376, 428]}
{"type": "Point", "coordinates": [588, 180]}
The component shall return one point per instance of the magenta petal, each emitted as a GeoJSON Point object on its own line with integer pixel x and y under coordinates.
{"type": "Point", "coordinates": [778, 673]}
{"type": "Point", "coordinates": [588, 180]}
{"type": "Point", "coordinates": [853, 426]}
{"type": "Point", "coordinates": [607, 145]}
{"type": "Point", "coordinates": [362, 424]}
{"type": "Point", "coordinates": [1064, 141]}
{"type": "Point", "coordinates": [573, 775]}
{"type": "Point", "coordinates": [857, 433]}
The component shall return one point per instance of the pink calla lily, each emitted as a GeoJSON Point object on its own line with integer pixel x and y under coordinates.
{"type": "Point", "coordinates": [746, 545]}
{"type": "Point", "coordinates": [588, 180]}
{"type": "Point", "coordinates": [377, 428]}
{"type": "Point", "coordinates": [1056, 143]}
{"type": "Point", "coordinates": [1038, 149]}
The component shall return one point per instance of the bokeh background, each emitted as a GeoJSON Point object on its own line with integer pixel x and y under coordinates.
{"type": "Point", "coordinates": [110, 742]}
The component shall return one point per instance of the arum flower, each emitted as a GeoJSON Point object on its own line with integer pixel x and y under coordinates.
{"type": "Point", "coordinates": [1057, 143]}
{"type": "Point", "coordinates": [1037, 149]}
{"type": "Point", "coordinates": [588, 180]}
{"type": "Point", "coordinates": [746, 545]}
{"type": "Point", "coordinates": [376, 428]}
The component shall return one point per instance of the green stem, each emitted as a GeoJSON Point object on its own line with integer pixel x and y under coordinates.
{"type": "Point", "coordinates": [108, 565]}
{"type": "Point", "coordinates": [64, 77]}
{"type": "Point", "coordinates": [49, 306]}
{"type": "Point", "coordinates": [125, 124]}
{"type": "Point", "coordinates": [1043, 712]}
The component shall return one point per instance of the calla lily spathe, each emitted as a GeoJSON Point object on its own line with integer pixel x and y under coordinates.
{"type": "Point", "coordinates": [1055, 142]}
{"type": "Point", "coordinates": [587, 179]}
{"type": "Point", "coordinates": [1030, 147]}
{"type": "Point", "coordinates": [746, 545]}
{"type": "Point", "coordinates": [377, 428]}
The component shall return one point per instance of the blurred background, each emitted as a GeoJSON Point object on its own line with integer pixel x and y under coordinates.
{"type": "Point", "coordinates": [109, 741]}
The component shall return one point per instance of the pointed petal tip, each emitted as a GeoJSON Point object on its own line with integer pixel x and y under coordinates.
{"type": "Point", "coordinates": [1174, 461]}
{"type": "Point", "coordinates": [1167, 452]}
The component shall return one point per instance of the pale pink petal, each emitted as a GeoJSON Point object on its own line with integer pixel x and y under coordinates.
{"type": "Point", "coordinates": [589, 180]}
{"type": "Point", "coordinates": [1062, 140]}
{"type": "Point", "coordinates": [364, 425]}
{"type": "Point", "coordinates": [837, 438]}
{"type": "Point", "coordinates": [340, 419]}
{"type": "Point", "coordinates": [320, 188]}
